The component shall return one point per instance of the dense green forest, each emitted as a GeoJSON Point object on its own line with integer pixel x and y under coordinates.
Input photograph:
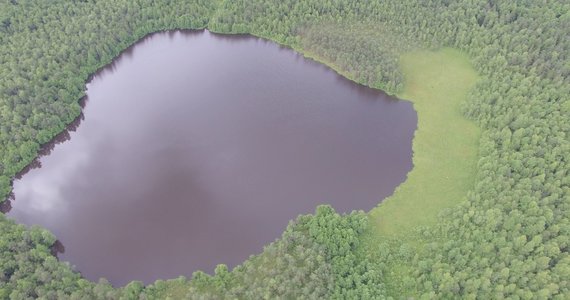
{"type": "Point", "coordinates": [509, 238]}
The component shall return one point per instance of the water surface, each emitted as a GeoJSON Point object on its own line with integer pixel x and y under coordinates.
{"type": "Point", "coordinates": [196, 149]}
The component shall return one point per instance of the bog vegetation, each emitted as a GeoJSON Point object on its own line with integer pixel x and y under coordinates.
{"type": "Point", "coordinates": [508, 236]}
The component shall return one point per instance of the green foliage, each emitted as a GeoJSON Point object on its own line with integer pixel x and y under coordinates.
{"type": "Point", "coordinates": [365, 52]}
{"type": "Point", "coordinates": [510, 237]}
{"type": "Point", "coordinates": [511, 234]}
{"type": "Point", "coordinates": [29, 270]}
{"type": "Point", "coordinates": [315, 258]}
{"type": "Point", "coordinates": [49, 49]}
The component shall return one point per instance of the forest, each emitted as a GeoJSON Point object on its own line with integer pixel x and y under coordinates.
{"type": "Point", "coordinates": [508, 237]}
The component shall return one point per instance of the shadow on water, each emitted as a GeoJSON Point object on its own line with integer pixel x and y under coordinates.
{"type": "Point", "coordinates": [57, 248]}
{"type": "Point", "coordinates": [46, 149]}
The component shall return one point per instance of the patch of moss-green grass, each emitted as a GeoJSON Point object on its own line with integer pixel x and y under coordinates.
{"type": "Point", "coordinates": [445, 143]}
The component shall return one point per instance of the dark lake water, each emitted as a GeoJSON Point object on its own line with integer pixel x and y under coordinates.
{"type": "Point", "coordinates": [196, 149]}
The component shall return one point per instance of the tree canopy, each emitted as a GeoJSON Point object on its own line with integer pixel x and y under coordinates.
{"type": "Point", "coordinates": [510, 237]}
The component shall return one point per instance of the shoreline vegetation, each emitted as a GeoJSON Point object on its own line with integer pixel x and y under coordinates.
{"type": "Point", "coordinates": [442, 77]}
{"type": "Point", "coordinates": [445, 142]}
{"type": "Point", "coordinates": [500, 231]}
{"type": "Point", "coordinates": [445, 149]}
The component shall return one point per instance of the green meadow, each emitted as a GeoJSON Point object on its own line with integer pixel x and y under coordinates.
{"type": "Point", "coordinates": [445, 143]}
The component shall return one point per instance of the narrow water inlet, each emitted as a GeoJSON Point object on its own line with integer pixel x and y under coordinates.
{"type": "Point", "coordinates": [197, 149]}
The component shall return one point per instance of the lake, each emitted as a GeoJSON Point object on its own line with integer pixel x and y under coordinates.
{"type": "Point", "coordinates": [196, 149]}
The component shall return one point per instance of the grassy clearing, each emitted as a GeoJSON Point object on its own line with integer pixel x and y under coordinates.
{"type": "Point", "coordinates": [445, 143]}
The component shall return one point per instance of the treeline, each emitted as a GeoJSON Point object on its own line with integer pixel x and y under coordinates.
{"type": "Point", "coordinates": [308, 261]}
{"type": "Point", "coordinates": [510, 238]}
{"type": "Point", "coordinates": [364, 51]}
{"type": "Point", "coordinates": [30, 271]}
{"type": "Point", "coordinates": [49, 49]}
{"type": "Point", "coordinates": [311, 260]}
